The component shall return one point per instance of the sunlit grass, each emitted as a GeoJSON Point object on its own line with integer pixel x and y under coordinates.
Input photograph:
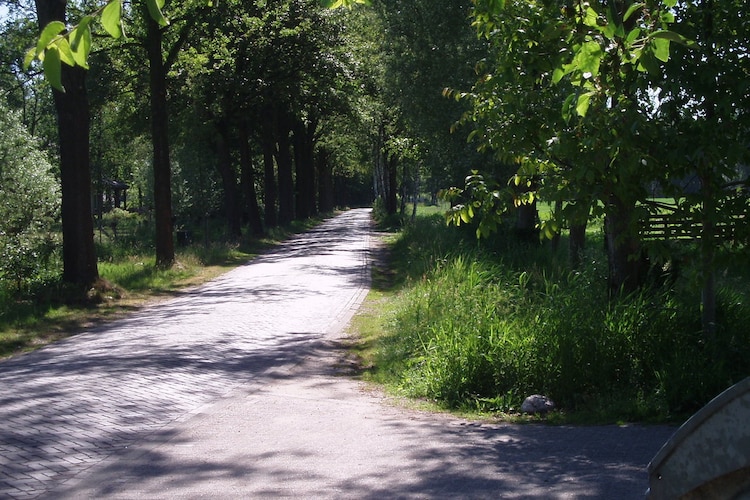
{"type": "Point", "coordinates": [476, 328]}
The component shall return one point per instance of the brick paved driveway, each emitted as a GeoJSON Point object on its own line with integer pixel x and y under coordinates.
{"type": "Point", "coordinates": [70, 405]}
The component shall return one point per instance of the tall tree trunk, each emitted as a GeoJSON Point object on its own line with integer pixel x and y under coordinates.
{"type": "Point", "coordinates": [325, 181]}
{"type": "Point", "coordinates": [72, 106]}
{"type": "Point", "coordinates": [391, 200]}
{"type": "Point", "coordinates": [286, 177]}
{"type": "Point", "coordinates": [577, 244]}
{"type": "Point", "coordinates": [404, 187]}
{"type": "Point", "coordinates": [160, 143]}
{"type": "Point", "coordinates": [626, 265]}
{"type": "Point", "coordinates": [304, 146]}
{"type": "Point", "coordinates": [228, 181]}
{"type": "Point", "coordinates": [269, 173]}
{"type": "Point", "coordinates": [247, 182]}
{"type": "Point", "coordinates": [526, 222]}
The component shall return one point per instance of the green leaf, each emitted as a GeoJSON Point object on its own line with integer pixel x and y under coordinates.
{"type": "Point", "coordinates": [154, 10]}
{"type": "Point", "coordinates": [52, 68]}
{"type": "Point", "coordinates": [465, 215]}
{"type": "Point", "coordinates": [647, 62]}
{"type": "Point", "coordinates": [673, 37]}
{"type": "Point", "coordinates": [610, 30]}
{"type": "Point", "coordinates": [111, 18]}
{"type": "Point", "coordinates": [589, 58]}
{"type": "Point", "coordinates": [633, 36]}
{"type": "Point", "coordinates": [30, 56]}
{"type": "Point", "coordinates": [81, 44]}
{"type": "Point", "coordinates": [66, 55]}
{"type": "Point", "coordinates": [48, 34]}
{"type": "Point", "coordinates": [590, 18]}
{"type": "Point", "coordinates": [79, 32]}
{"type": "Point", "coordinates": [631, 10]}
{"type": "Point", "coordinates": [582, 106]}
{"type": "Point", "coordinates": [558, 75]}
{"type": "Point", "coordinates": [661, 49]}
{"type": "Point", "coordinates": [566, 108]}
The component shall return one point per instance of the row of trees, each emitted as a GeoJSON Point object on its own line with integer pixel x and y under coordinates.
{"type": "Point", "coordinates": [260, 111]}
{"type": "Point", "coordinates": [245, 110]}
{"type": "Point", "coordinates": [271, 111]}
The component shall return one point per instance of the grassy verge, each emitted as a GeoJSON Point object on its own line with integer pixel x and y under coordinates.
{"type": "Point", "coordinates": [476, 329]}
{"type": "Point", "coordinates": [129, 279]}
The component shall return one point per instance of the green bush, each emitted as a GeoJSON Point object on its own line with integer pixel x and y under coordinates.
{"type": "Point", "coordinates": [122, 234]}
{"type": "Point", "coordinates": [30, 204]}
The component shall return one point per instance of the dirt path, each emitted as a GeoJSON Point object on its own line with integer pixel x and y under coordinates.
{"type": "Point", "coordinates": [232, 391]}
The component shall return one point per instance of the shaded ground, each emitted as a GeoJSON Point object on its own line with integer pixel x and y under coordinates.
{"type": "Point", "coordinates": [234, 391]}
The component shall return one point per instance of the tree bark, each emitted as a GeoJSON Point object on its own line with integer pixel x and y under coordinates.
{"type": "Point", "coordinates": [160, 143]}
{"type": "Point", "coordinates": [626, 265]}
{"type": "Point", "coordinates": [304, 146]}
{"type": "Point", "coordinates": [391, 200]}
{"type": "Point", "coordinates": [72, 106]}
{"type": "Point", "coordinates": [325, 181]}
{"type": "Point", "coordinates": [286, 178]}
{"type": "Point", "coordinates": [526, 222]}
{"type": "Point", "coordinates": [247, 176]}
{"type": "Point", "coordinates": [269, 173]}
{"type": "Point", "coordinates": [228, 181]}
{"type": "Point", "coordinates": [576, 244]}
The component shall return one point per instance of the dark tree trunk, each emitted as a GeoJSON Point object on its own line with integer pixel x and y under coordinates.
{"type": "Point", "coordinates": [72, 106]}
{"type": "Point", "coordinates": [160, 143]}
{"type": "Point", "coordinates": [304, 146]}
{"type": "Point", "coordinates": [391, 200]}
{"type": "Point", "coordinates": [229, 182]}
{"type": "Point", "coordinates": [404, 176]}
{"type": "Point", "coordinates": [248, 181]}
{"type": "Point", "coordinates": [626, 265]}
{"type": "Point", "coordinates": [526, 222]}
{"type": "Point", "coordinates": [269, 174]}
{"type": "Point", "coordinates": [577, 244]}
{"type": "Point", "coordinates": [325, 181]}
{"type": "Point", "coordinates": [286, 178]}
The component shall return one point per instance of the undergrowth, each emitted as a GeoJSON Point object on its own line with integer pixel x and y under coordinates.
{"type": "Point", "coordinates": [479, 328]}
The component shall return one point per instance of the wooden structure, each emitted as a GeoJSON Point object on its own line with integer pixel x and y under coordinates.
{"type": "Point", "coordinates": [666, 227]}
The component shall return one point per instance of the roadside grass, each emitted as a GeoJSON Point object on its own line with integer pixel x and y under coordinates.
{"type": "Point", "coordinates": [475, 328]}
{"type": "Point", "coordinates": [47, 310]}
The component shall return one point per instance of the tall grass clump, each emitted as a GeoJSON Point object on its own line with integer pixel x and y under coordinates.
{"type": "Point", "coordinates": [482, 328]}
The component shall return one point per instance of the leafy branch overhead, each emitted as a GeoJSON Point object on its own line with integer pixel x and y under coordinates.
{"type": "Point", "coordinates": [335, 4]}
{"type": "Point", "coordinates": [636, 38]}
{"type": "Point", "coordinates": [58, 43]}
{"type": "Point", "coordinates": [560, 97]}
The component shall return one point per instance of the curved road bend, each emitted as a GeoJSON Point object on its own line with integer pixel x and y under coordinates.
{"type": "Point", "coordinates": [232, 391]}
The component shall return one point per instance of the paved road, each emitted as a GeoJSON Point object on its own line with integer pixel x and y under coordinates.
{"type": "Point", "coordinates": [235, 390]}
